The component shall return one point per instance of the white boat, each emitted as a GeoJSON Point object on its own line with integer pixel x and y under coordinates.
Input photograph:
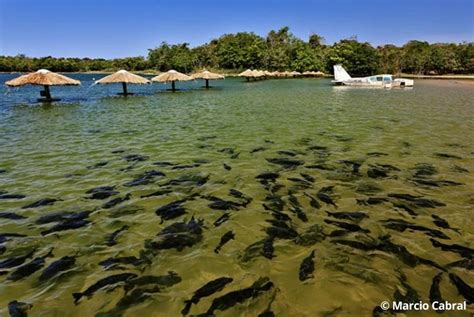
{"type": "Point", "coordinates": [341, 77]}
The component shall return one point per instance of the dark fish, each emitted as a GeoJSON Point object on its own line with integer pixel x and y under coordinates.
{"type": "Point", "coordinates": [346, 226]}
{"type": "Point", "coordinates": [435, 293]}
{"type": "Point", "coordinates": [287, 153]}
{"type": "Point", "coordinates": [463, 289]}
{"type": "Point", "coordinates": [402, 225]}
{"type": "Point", "coordinates": [162, 281]}
{"type": "Point", "coordinates": [267, 249]}
{"type": "Point", "coordinates": [206, 290]}
{"type": "Point", "coordinates": [355, 244]}
{"type": "Point", "coordinates": [227, 167]}
{"type": "Point", "coordinates": [221, 219]}
{"type": "Point", "coordinates": [464, 263]}
{"type": "Point", "coordinates": [229, 235]}
{"type": "Point", "coordinates": [117, 151]}
{"type": "Point", "coordinates": [299, 213]}
{"type": "Point", "coordinates": [63, 264]}
{"type": "Point", "coordinates": [376, 172]}
{"type": "Point", "coordinates": [307, 267]}
{"type": "Point", "coordinates": [308, 177]}
{"type": "Point", "coordinates": [158, 193]}
{"type": "Point", "coordinates": [423, 169]}
{"type": "Point", "coordinates": [29, 268]}
{"type": "Point", "coordinates": [15, 260]}
{"type": "Point", "coordinates": [447, 156]}
{"type": "Point", "coordinates": [405, 208]}
{"type": "Point", "coordinates": [434, 183]}
{"type": "Point", "coordinates": [300, 182]}
{"type": "Point", "coordinates": [325, 193]}
{"type": "Point", "coordinates": [135, 158]}
{"type": "Point", "coordinates": [11, 216]}
{"type": "Point", "coordinates": [324, 167]}
{"type": "Point", "coordinates": [418, 200]}
{"type": "Point", "coordinates": [268, 177]}
{"type": "Point", "coordinates": [222, 204]}
{"type": "Point", "coordinates": [227, 150]}
{"type": "Point", "coordinates": [100, 189]}
{"type": "Point", "coordinates": [285, 162]}
{"type": "Point", "coordinates": [109, 280]}
{"type": "Point", "coordinates": [111, 239]}
{"type": "Point", "coordinates": [171, 210]}
{"type": "Point", "coordinates": [116, 201]}
{"type": "Point", "coordinates": [442, 223]}
{"type": "Point", "coordinates": [137, 296]}
{"type": "Point", "coordinates": [98, 165]}
{"type": "Point", "coordinates": [6, 236]}
{"type": "Point", "coordinates": [281, 231]}
{"type": "Point", "coordinates": [103, 194]}
{"type": "Point", "coordinates": [312, 201]}
{"type": "Point", "coordinates": [163, 164]}
{"type": "Point", "coordinates": [66, 225]}
{"type": "Point", "coordinates": [12, 196]}
{"type": "Point", "coordinates": [144, 178]}
{"type": "Point", "coordinates": [377, 154]}
{"type": "Point", "coordinates": [258, 149]}
{"type": "Point", "coordinates": [41, 202]}
{"type": "Point", "coordinates": [18, 309]}
{"type": "Point", "coordinates": [185, 166]}
{"type": "Point", "coordinates": [463, 251]}
{"type": "Point", "coordinates": [178, 236]}
{"type": "Point", "coordinates": [2, 171]}
{"type": "Point", "coordinates": [62, 216]}
{"type": "Point", "coordinates": [354, 216]}
{"type": "Point", "coordinates": [190, 180]}
{"type": "Point", "coordinates": [459, 169]}
{"type": "Point", "coordinates": [371, 201]}
{"type": "Point", "coordinates": [120, 260]}
{"type": "Point", "coordinates": [235, 297]}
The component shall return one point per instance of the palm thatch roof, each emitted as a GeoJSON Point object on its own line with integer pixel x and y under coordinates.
{"type": "Point", "coordinates": [247, 73]}
{"type": "Point", "coordinates": [42, 77]}
{"type": "Point", "coordinates": [258, 73]}
{"type": "Point", "coordinates": [319, 73]}
{"type": "Point", "coordinates": [171, 75]}
{"type": "Point", "coordinates": [122, 76]}
{"type": "Point", "coordinates": [207, 75]}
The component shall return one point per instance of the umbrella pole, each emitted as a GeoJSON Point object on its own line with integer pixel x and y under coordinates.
{"type": "Point", "coordinates": [124, 86]}
{"type": "Point", "coordinates": [207, 83]}
{"type": "Point", "coordinates": [47, 93]}
{"type": "Point", "coordinates": [173, 88]}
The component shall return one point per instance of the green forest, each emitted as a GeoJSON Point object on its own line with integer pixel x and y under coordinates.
{"type": "Point", "coordinates": [279, 50]}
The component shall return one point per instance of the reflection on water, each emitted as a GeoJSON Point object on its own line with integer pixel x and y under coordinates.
{"type": "Point", "coordinates": [378, 183]}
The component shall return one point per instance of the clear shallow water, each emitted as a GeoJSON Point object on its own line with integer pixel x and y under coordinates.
{"type": "Point", "coordinates": [45, 151]}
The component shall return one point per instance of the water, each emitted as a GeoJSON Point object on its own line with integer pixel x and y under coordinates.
{"type": "Point", "coordinates": [46, 149]}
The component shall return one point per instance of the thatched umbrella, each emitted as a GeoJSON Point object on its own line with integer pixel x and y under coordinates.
{"type": "Point", "coordinates": [308, 73]}
{"type": "Point", "coordinates": [295, 73]}
{"type": "Point", "coordinates": [123, 77]}
{"type": "Point", "coordinates": [319, 73]}
{"type": "Point", "coordinates": [171, 76]}
{"type": "Point", "coordinates": [45, 78]}
{"type": "Point", "coordinates": [247, 74]}
{"type": "Point", "coordinates": [207, 75]}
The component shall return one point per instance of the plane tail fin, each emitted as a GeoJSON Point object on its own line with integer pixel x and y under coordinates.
{"type": "Point", "coordinates": [340, 73]}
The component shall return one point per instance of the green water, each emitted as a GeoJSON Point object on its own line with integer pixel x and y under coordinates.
{"type": "Point", "coordinates": [45, 151]}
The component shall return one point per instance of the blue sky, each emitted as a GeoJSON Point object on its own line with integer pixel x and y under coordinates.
{"type": "Point", "coordinates": [109, 29]}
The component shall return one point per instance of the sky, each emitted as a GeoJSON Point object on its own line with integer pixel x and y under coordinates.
{"type": "Point", "coordinates": [119, 28]}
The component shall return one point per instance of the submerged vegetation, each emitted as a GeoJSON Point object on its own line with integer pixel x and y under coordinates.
{"type": "Point", "coordinates": [279, 50]}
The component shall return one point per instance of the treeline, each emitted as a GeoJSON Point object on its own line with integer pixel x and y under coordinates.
{"type": "Point", "coordinates": [279, 50]}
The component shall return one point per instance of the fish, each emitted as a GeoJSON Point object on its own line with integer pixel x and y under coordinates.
{"type": "Point", "coordinates": [354, 216]}
{"type": "Point", "coordinates": [435, 293]}
{"type": "Point", "coordinates": [103, 194]}
{"type": "Point", "coordinates": [442, 223]}
{"type": "Point", "coordinates": [29, 268]}
{"type": "Point", "coordinates": [285, 162]}
{"type": "Point", "coordinates": [402, 225]}
{"type": "Point", "coordinates": [120, 260]}
{"type": "Point", "coordinates": [98, 165]}
{"type": "Point", "coordinates": [376, 172]}
{"type": "Point", "coordinates": [239, 296]}
{"type": "Point", "coordinates": [18, 309]}
{"type": "Point", "coordinates": [299, 213]}
{"type": "Point", "coordinates": [371, 201]}
{"type": "Point", "coordinates": [355, 244]}
{"type": "Point", "coordinates": [161, 281]}
{"type": "Point", "coordinates": [144, 179]}
{"type": "Point", "coordinates": [229, 235]}
{"type": "Point", "coordinates": [281, 232]}
{"type": "Point", "coordinates": [163, 163]}
{"type": "Point", "coordinates": [404, 207]}
{"type": "Point", "coordinates": [312, 201]}
{"type": "Point", "coordinates": [268, 249]}
{"type": "Point", "coordinates": [222, 204]}
{"type": "Point", "coordinates": [66, 225]}
{"type": "Point", "coordinates": [267, 177]}
{"type": "Point", "coordinates": [117, 151]}
{"type": "Point", "coordinates": [221, 219]}
{"type": "Point", "coordinates": [206, 290]}
{"type": "Point", "coordinates": [447, 156]}
{"type": "Point", "coordinates": [160, 192]}
{"type": "Point", "coordinates": [287, 153]}
{"type": "Point", "coordinates": [135, 158]}
{"type": "Point", "coordinates": [418, 201]}
{"type": "Point", "coordinates": [100, 189]}
{"type": "Point", "coordinates": [15, 260]}
{"type": "Point", "coordinates": [109, 280]}
{"type": "Point", "coordinates": [463, 251]}
{"type": "Point", "coordinates": [307, 267]}
{"type": "Point", "coordinates": [137, 296]}
{"type": "Point", "coordinates": [464, 263]}
{"type": "Point", "coordinates": [463, 289]}
{"type": "Point", "coordinates": [6, 236]}
{"type": "Point", "coordinates": [41, 203]}
{"type": "Point", "coordinates": [178, 235]}
{"type": "Point", "coordinates": [434, 183]}
{"type": "Point", "coordinates": [346, 226]}
{"type": "Point", "coordinates": [11, 196]}
{"type": "Point", "coordinates": [171, 210]}
{"type": "Point", "coordinates": [185, 166]}
{"type": "Point", "coordinates": [258, 149]}
{"type": "Point", "coordinates": [377, 154]}
{"type": "Point", "coordinates": [324, 194]}
{"type": "Point", "coordinates": [110, 241]}
{"type": "Point", "coordinates": [62, 216]}
{"type": "Point", "coordinates": [58, 266]}
{"type": "Point", "coordinates": [308, 177]}
{"type": "Point", "coordinates": [227, 167]}
{"type": "Point", "coordinates": [114, 202]}
{"type": "Point", "coordinates": [11, 216]}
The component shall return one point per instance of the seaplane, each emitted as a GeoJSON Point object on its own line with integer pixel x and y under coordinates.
{"type": "Point", "coordinates": [342, 78]}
